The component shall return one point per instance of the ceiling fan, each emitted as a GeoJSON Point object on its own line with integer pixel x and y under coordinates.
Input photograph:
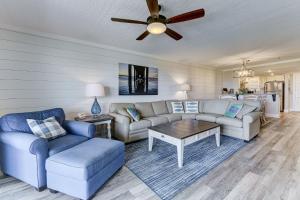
{"type": "Point", "coordinates": [157, 24]}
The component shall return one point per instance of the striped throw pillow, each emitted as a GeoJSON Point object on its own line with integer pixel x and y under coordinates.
{"type": "Point", "coordinates": [191, 107]}
{"type": "Point", "coordinates": [177, 107]}
{"type": "Point", "coordinates": [48, 128]}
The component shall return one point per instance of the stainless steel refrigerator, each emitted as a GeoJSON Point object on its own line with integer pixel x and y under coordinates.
{"type": "Point", "coordinates": [276, 87]}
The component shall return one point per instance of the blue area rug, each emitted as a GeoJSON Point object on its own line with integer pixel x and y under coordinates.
{"type": "Point", "coordinates": [159, 170]}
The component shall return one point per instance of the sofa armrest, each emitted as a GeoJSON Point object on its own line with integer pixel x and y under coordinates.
{"type": "Point", "coordinates": [25, 142]}
{"type": "Point", "coordinates": [121, 126]}
{"type": "Point", "coordinates": [251, 117]}
{"type": "Point", "coordinates": [80, 128]}
{"type": "Point", "coordinates": [120, 118]}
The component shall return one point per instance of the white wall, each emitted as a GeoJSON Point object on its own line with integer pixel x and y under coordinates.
{"type": "Point", "coordinates": [230, 82]}
{"type": "Point", "coordinates": [38, 72]}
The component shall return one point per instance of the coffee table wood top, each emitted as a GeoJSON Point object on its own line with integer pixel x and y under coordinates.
{"type": "Point", "coordinates": [184, 128]}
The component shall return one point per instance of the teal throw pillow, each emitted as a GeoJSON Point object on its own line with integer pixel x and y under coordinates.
{"type": "Point", "coordinates": [233, 110]}
{"type": "Point", "coordinates": [134, 113]}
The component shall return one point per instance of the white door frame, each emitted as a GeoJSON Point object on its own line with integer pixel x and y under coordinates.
{"type": "Point", "coordinates": [295, 92]}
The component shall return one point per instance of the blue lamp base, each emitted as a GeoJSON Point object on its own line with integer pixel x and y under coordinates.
{"type": "Point", "coordinates": [96, 109]}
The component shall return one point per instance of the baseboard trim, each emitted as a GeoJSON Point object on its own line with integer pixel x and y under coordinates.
{"type": "Point", "coordinates": [272, 115]}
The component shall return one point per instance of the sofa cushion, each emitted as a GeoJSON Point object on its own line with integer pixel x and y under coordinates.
{"type": "Point", "coordinates": [230, 121]}
{"type": "Point", "coordinates": [142, 124]}
{"type": "Point", "coordinates": [157, 120]}
{"type": "Point", "coordinates": [145, 109]}
{"type": "Point", "coordinates": [62, 143]}
{"type": "Point", "coordinates": [188, 116]}
{"type": "Point", "coordinates": [172, 117]}
{"type": "Point", "coordinates": [215, 106]}
{"type": "Point", "coordinates": [245, 110]}
{"type": "Point", "coordinates": [16, 122]}
{"type": "Point", "coordinates": [82, 161]}
{"type": "Point", "coordinates": [123, 111]}
{"type": "Point", "coordinates": [160, 107]}
{"type": "Point", "coordinates": [210, 117]}
{"type": "Point", "coordinates": [114, 107]}
{"type": "Point", "coordinates": [255, 103]}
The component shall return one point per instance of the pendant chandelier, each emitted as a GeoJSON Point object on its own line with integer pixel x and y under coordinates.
{"type": "Point", "coordinates": [243, 72]}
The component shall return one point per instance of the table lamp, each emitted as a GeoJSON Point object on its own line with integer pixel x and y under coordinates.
{"type": "Point", "coordinates": [95, 90]}
{"type": "Point", "coordinates": [185, 88]}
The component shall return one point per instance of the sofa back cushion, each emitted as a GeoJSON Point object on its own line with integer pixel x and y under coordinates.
{"type": "Point", "coordinates": [16, 122]}
{"type": "Point", "coordinates": [145, 109]}
{"type": "Point", "coordinates": [253, 103]}
{"type": "Point", "coordinates": [215, 106]}
{"type": "Point", "coordinates": [115, 107]}
{"type": "Point", "coordinates": [160, 107]}
{"type": "Point", "coordinates": [245, 110]}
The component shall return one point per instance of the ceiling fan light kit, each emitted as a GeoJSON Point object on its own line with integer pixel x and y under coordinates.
{"type": "Point", "coordinates": [157, 24]}
{"type": "Point", "coordinates": [156, 28]}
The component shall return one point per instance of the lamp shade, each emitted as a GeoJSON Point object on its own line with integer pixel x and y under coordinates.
{"type": "Point", "coordinates": [185, 87]}
{"type": "Point", "coordinates": [94, 90]}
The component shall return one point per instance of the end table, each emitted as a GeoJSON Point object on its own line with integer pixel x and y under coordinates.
{"type": "Point", "coordinates": [98, 120]}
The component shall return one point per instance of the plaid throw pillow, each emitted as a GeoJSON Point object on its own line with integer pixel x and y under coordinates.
{"type": "Point", "coordinates": [48, 128]}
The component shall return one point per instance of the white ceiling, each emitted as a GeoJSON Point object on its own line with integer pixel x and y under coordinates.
{"type": "Point", "coordinates": [264, 31]}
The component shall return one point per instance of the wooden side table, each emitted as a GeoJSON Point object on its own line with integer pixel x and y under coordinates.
{"type": "Point", "coordinates": [98, 120]}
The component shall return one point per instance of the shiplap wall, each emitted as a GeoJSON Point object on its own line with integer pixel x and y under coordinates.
{"type": "Point", "coordinates": [39, 72]}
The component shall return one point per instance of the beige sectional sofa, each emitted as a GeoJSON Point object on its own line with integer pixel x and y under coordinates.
{"type": "Point", "coordinates": [160, 112]}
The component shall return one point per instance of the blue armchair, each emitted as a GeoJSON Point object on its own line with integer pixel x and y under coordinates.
{"type": "Point", "coordinates": [23, 155]}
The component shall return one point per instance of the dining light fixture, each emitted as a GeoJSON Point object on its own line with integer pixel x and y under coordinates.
{"type": "Point", "coordinates": [243, 72]}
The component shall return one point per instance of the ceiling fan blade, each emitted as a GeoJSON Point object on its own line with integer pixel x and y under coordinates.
{"type": "Point", "coordinates": [153, 7]}
{"type": "Point", "coordinates": [173, 34]}
{"type": "Point", "coordinates": [128, 21]}
{"type": "Point", "coordinates": [141, 37]}
{"type": "Point", "coordinates": [187, 16]}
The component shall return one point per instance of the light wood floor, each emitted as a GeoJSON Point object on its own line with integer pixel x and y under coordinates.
{"type": "Point", "coordinates": [267, 168]}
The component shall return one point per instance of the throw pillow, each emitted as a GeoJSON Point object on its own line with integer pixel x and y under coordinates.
{"type": "Point", "coordinates": [48, 128]}
{"type": "Point", "coordinates": [191, 107]}
{"type": "Point", "coordinates": [124, 112]}
{"type": "Point", "coordinates": [134, 113]}
{"type": "Point", "coordinates": [177, 107]}
{"type": "Point", "coordinates": [245, 110]}
{"type": "Point", "coordinates": [233, 110]}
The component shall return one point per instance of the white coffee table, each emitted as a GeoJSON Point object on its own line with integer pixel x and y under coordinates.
{"type": "Point", "coordinates": [183, 133]}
